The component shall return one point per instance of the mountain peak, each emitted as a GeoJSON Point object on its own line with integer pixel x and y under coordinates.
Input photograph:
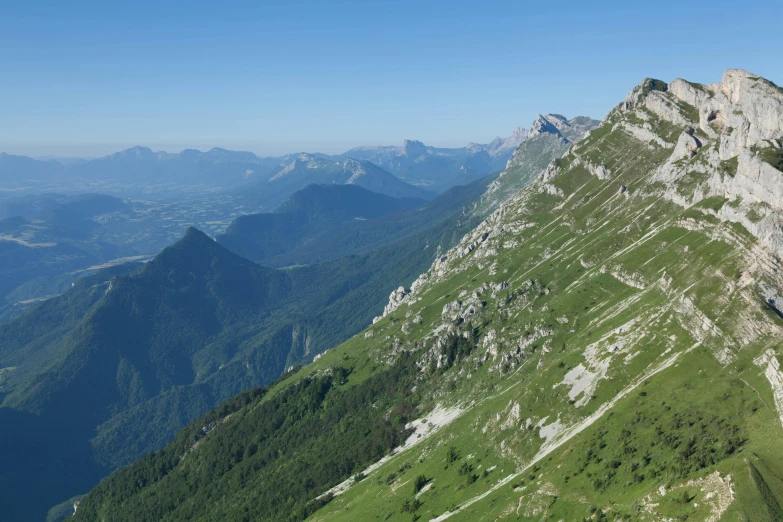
{"type": "Point", "coordinates": [413, 148]}
{"type": "Point", "coordinates": [196, 254]}
{"type": "Point", "coordinates": [194, 234]}
{"type": "Point", "coordinates": [138, 151]}
{"type": "Point", "coordinates": [518, 134]}
{"type": "Point", "coordinates": [133, 153]}
{"type": "Point", "coordinates": [542, 125]}
{"type": "Point", "coordinates": [193, 240]}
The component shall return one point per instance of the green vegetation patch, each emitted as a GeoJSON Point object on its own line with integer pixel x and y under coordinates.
{"type": "Point", "coordinates": [729, 166]}
{"type": "Point", "coordinates": [714, 203]}
{"type": "Point", "coordinates": [651, 84]}
{"type": "Point", "coordinates": [768, 497]}
{"type": "Point", "coordinates": [690, 181]}
{"type": "Point", "coordinates": [688, 110]}
{"type": "Point", "coordinates": [772, 155]}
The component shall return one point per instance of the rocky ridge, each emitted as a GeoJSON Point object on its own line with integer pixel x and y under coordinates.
{"type": "Point", "coordinates": [738, 120]}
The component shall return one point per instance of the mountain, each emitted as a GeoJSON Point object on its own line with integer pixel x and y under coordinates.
{"type": "Point", "coordinates": [210, 323]}
{"type": "Point", "coordinates": [140, 172]}
{"type": "Point", "coordinates": [49, 240]}
{"type": "Point", "coordinates": [572, 130]}
{"type": "Point", "coordinates": [313, 212]}
{"type": "Point", "coordinates": [277, 245]}
{"type": "Point", "coordinates": [130, 358]}
{"type": "Point", "coordinates": [21, 169]}
{"type": "Point", "coordinates": [441, 168]}
{"type": "Point", "coordinates": [549, 137]}
{"type": "Point", "coordinates": [218, 167]}
{"type": "Point", "coordinates": [435, 169]}
{"type": "Point", "coordinates": [502, 146]}
{"type": "Point", "coordinates": [604, 346]}
{"type": "Point", "coordinates": [306, 169]}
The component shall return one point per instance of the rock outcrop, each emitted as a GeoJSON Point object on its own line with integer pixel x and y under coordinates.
{"type": "Point", "coordinates": [395, 300]}
{"type": "Point", "coordinates": [729, 127]}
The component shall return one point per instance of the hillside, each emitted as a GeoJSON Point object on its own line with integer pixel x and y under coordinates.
{"type": "Point", "coordinates": [549, 137]}
{"type": "Point", "coordinates": [605, 346]}
{"type": "Point", "coordinates": [310, 213]}
{"type": "Point", "coordinates": [230, 333]}
{"type": "Point", "coordinates": [298, 235]}
{"type": "Point", "coordinates": [82, 396]}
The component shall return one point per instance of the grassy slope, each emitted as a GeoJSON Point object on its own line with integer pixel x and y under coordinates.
{"type": "Point", "coordinates": [647, 296]}
{"type": "Point", "coordinates": [727, 409]}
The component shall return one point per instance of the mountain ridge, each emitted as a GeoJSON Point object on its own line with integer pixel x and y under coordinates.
{"type": "Point", "coordinates": [434, 167]}
{"type": "Point", "coordinates": [594, 349]}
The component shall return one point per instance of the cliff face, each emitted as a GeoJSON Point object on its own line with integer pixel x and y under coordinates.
{"type": "Point", "coordinates": [729, 148]}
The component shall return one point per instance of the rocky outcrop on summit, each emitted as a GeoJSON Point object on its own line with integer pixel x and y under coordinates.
{"type": "Point", "coordinates": [571, 130]}
{"type": "Point", "coordinates": [726, 141]}
{"type": "Point", "coordinates": [541, 125]}
{"type": "Point", "coordinates": [686, 147]}
{"type": "Point", "coordinates": [413, 148]}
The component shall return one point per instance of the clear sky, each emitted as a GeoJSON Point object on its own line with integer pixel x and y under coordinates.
{"type": "Point", "coordinates": [81, 78]}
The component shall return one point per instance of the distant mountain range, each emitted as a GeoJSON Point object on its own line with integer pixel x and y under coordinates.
{"type": "Point", "coordinates": [50, 238]}
{"type": "Point", "coordinates": [142, 172]}
{"type": "Point", "coordinates": [439, 168]}
{"type": "Point", "coordinates": [305, 169]}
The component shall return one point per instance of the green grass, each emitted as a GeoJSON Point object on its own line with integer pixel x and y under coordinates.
{"type": "Point", "coordinates": [772, 155]}
{"type": "Point", "coordinates": [651, 84]}
{"type": "Point", "coordinates": [688, 110]}
{"type": "Point", "coordinates": [729, 166]}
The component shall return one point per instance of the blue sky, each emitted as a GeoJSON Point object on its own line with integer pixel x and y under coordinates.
{"type": "Point", "coordinates": [88, 78]}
